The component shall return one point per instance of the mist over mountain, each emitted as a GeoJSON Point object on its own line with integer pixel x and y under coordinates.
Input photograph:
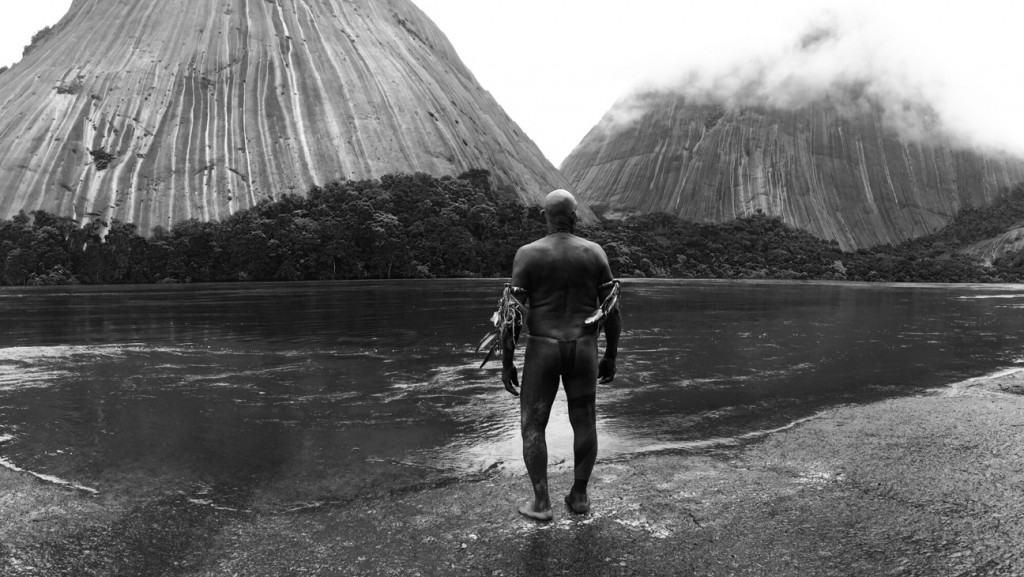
{"type": "Point", "coordinates": [155, 111]}
{"type": "Point", "coordinates": [826, 133]}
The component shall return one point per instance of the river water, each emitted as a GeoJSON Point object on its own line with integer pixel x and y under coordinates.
{"type": "Point", "coordinates": [310, 393]}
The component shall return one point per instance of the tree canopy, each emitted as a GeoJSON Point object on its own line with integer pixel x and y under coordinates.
{"type": "Point", "coordinates": [419, 226]}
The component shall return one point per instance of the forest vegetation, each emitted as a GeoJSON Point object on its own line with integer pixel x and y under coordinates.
{"type": "Point", "coordinates": [406, 226]}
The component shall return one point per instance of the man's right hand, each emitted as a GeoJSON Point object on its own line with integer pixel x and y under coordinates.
{"type": "Point", "coordinates": [510, 376]}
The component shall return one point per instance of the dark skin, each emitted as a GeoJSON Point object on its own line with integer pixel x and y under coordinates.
{"type": "Point", "coordinates": [562, 275]}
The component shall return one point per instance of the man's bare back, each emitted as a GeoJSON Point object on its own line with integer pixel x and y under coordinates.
{"type": "Point", "coordinates": [564, 273]}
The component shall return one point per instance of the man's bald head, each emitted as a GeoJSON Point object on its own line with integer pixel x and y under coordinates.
{"type": "Point", "coordinates": [560, 209]}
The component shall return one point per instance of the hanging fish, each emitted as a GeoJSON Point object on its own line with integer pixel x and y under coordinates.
{"type": "Point", "coordinates": [487, 340]}
{"type": "Point", "coordinates": [507, 321]}
{"type": "Point", "coordinates": [610, 305]}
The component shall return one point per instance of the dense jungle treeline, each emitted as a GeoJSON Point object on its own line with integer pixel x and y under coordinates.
{"type": "Point", "coordinates": [418, 226]}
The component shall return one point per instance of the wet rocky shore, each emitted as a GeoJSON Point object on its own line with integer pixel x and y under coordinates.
{"type": "Point", "coordinates": [926, 485]}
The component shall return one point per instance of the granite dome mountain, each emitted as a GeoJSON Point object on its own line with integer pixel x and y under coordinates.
{"type": "Point", "coordinates": [155, 111]}
{"type": "Point", "coordinates": [837, 166]}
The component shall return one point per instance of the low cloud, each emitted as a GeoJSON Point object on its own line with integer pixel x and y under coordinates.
{"type": "Point", "coordinates": [924, 65]}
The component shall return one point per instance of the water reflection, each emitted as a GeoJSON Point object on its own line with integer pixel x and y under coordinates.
{"type": "Point", "coordinates": [326, 391]}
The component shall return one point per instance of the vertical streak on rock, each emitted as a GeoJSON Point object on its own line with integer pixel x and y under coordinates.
{"type": "Point", "coordinates": [240, 147]}
{"type": "Point", "coordinates": [345, 74]}
{"type": "Point", "coordinates": [189, 164]}
{"type": "Point", "coordinates": [259, 142]}
{"type": "Point", "coordinates": [296, 111]}
{"type": "Point", "coordinates": [311, 93]}
{"type": "Point", "coordinates": [325, 116]}
{"type": "Point", "coordinates": [207, 118]}
{"type": "Point", "coordinates": [138, 115]}
{"type": "Point", "coordinates": [175, 167]}
{"type": "Point", "coordinates": [243, 110]}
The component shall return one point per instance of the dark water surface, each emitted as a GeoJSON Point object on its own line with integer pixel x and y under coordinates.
{"type": "Point", "coordinates": [328, 391]}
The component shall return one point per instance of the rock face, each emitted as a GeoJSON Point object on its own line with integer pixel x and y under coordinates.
{"type": "Point", "coordinates": [989, 250]}
{"type": "Point", "coordinates": [836, 168]}
{"type": "Point", "coordinates": [153, 111]}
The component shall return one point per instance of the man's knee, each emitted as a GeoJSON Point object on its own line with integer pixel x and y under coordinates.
{"type": "Point", "coordinates": [532, 435]}
{"type": "Point", "coordinates": [532, 424]}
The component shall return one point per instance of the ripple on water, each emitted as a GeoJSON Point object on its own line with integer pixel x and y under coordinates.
{"type": "Point", "coordinates": [6, 464]}
{"type": "Point", "coordinates": [14, 377]}
{"type": "Point", "coordinates": [999, 296]}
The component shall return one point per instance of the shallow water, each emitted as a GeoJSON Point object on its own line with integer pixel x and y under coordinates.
{"type": "Point", "coordinates": [327, 391]}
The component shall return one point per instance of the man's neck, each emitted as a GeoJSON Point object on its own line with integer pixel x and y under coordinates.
{"type": "Point", "coordinates": [552, 229]}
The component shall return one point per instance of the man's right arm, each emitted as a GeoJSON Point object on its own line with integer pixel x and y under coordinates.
{"type": "Point", "coordinates": [520, 291]}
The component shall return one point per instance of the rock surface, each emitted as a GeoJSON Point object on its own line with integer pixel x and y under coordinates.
{"type": "Point", "coordinates": [991, 249]}
{"type": "Point", "coordinates": [153, 111]}
{"type": "Point", "coordinates": [834, 167]}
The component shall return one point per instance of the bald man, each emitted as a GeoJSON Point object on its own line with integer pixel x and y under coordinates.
{"type": "Point", "coordinates": [564, 279]}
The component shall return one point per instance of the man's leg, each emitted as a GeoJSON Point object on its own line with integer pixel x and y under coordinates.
{"type": "Point", "coordinates": [539, 386]}
{"type": "Point", "coordinates": [580, 389]}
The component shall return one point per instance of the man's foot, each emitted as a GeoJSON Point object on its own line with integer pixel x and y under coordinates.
{"type": "Point", "coordinates": [533, 511]}
{"type": "Point", "coordinates": [578, 503]}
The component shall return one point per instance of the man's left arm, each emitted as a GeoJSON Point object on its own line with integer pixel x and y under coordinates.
{"type": "Point", "coordinates": [612, 329]}
{"type": "Point", "coordinates": [612, 325]}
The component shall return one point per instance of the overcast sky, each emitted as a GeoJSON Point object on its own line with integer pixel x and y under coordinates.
{"type": "Point", "coordinates": [557, 66]}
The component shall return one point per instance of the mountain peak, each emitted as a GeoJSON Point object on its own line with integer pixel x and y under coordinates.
{"type": "Point", "coordinates": [845, 166]}
{"type": "Point", "coordinates": [154, 111]}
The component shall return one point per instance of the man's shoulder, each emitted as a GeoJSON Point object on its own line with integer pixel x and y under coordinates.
{"type": "Point", "coordinates": [529, 253]}
{"type": "Point", "coordinates": [529, 247]}
{"type": "Point", "coordinates": [592, 245]}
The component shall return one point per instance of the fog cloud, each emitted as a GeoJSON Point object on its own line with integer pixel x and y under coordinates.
{"type": "Point", "coordinates": [931, 67]}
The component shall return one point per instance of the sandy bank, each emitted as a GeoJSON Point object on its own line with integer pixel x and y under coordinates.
{"type": "Point", "coordinates": [926, 485]}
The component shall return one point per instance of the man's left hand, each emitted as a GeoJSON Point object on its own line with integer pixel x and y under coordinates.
{"type": "Point", "coordinates": [510, 376]}
{"type": "Point", "coordinates": [606, 370]}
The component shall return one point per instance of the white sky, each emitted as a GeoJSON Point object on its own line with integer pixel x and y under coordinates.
{"type": "Point", "coordinates": [557, 66]}
{"type": "Point", "coordinates": [21, 20]}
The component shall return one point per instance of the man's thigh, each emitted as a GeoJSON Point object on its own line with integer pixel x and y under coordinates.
{"type": "Point", "coordinates": [540, 379]}
{"type": "Point", "coordinates": [581, 381]}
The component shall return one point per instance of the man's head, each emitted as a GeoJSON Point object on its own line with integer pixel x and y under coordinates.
{"type": "Point", "coordinates": [560, 209]}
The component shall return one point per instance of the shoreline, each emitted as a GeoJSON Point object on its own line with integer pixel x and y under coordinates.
{"type": "Point", "coordinates": [928, 484]}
